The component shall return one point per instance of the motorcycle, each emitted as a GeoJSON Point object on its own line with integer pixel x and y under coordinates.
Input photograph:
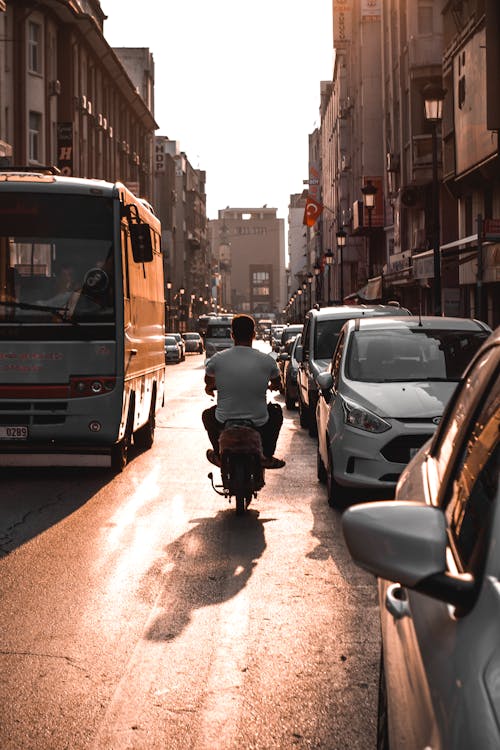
{"type": "Point", "coordinates": [242, 473]}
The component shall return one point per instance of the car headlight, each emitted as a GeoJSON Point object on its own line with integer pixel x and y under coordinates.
{"type": "Point", "coordinates": [362, 419]}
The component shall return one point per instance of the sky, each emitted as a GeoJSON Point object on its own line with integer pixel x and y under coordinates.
{"type": "Point", "coordinates": [237, 84]}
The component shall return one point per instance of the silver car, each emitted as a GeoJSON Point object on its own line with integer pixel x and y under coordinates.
{"type": "Point", "coordinates": [383, 396]}
{"type": "Point", "coordinates": [436, 551]}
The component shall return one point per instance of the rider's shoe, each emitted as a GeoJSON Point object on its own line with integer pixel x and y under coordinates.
{"type": "Point", "coordinates": [213, 457]}
{"type": "Point", "coordinates": [271, 462]}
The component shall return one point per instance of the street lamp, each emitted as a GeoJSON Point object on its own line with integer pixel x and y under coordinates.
{"type": "Point", "coordinates": [299, 293]}
{"type": "Point", "coordinates": [181, 316]}
{"type": "Point", "coordinates": [329, 261]}
{"type": "Point", "coordinates": [310, 278]}
{"type": "Point", "coordinates": [169, 293]}
{"type": "Point", "coordinates": [341, 240]}
{"type": "Point", "coordinates": [433, 100]}
{"type": "Point", "coordinates": [304, 292]}
{"type": "Point", "coordinates": [369, 192]}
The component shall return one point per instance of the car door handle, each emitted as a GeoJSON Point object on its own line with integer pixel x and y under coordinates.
{"type": "Point", "coordinates": [396, 601]}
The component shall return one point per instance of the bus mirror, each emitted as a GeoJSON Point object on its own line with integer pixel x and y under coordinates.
{"type": "Point", "coordinates": [142, 246]}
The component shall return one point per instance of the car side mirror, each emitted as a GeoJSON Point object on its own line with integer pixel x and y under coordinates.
{"type": "Point", "coordinates": [142, 245]}
{"type": "Point", "coordinates": [299, 353]}
{"type": "Point", "coordinates": [406, 542]}
{"type": "Point", "coordinates": [325, 383]}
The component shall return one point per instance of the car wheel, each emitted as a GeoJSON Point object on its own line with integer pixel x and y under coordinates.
{"type": "Point", "coordinates": [145, 435]}
{"type": "Point", "coordinates": [337, 495]}
{"type": "Point", "coordinates": [313, 427]}
{"type": "Point", "coordinates": [321, 468]}
{"type": "Point", "coordinates": [303, 414]}
{"type": "Point", "coordinates": [120, 451]}
{"type": "Point", "coordinates": [382, 723]}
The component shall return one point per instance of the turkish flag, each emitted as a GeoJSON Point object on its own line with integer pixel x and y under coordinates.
{"type": "Point", "coordinates": [312, 212]}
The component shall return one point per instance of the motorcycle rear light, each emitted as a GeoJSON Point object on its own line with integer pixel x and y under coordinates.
{"type": "Point", "coordinates": [85, 386]}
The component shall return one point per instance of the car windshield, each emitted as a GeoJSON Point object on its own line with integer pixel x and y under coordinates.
{"type": "Point", "coordinates": [170, 341]}
{"type": "Point", "coordinates": [390, 355]}
{"type": "Point", "coordinates": [219, 332]}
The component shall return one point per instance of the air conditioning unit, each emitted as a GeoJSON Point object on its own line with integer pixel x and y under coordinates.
{"type": "Point", "coordinates": [392, 162]}
{"type": "Point", "coordinates": [104, 123]}
{"type": "Point", "coordinates": [345, 162]}
{"type": "Point", "coordinates": [83, 103]}
{"type": "Point", "coordinates": [411, 197]}
{"type": "Point", "coordinates": [89, 107]}
{"type": "Point", "coordinates": [110, 131]}
{"type": "Point", "coordinates": [124, 147]}
{"type": "Point", "coordinates": [418, 239]}
{"type": "Point", "coordinates": [54, 88]}
{"type": "Point", "coordinates": [100, 120]}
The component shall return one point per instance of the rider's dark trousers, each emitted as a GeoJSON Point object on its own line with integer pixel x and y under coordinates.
{"type": "Point", "coordinates": [269, 432]}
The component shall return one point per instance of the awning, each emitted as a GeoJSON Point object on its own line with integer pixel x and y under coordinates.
{"type": "Point", "coordinates": [370, 292]}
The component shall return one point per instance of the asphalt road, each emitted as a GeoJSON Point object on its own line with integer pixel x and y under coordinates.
{"type": "Point", "coordinates": [138, 612]}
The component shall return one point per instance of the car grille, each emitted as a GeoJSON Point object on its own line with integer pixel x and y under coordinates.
{"type": "Point", "coordinates": [401, 449]}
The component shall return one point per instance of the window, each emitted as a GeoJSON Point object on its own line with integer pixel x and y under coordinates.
{"type": "Point", "coordinates": [34, 47]}
{"type": "Point", "coordinates": [261, 284]}
{"type": "Point", "coordinates": [424, 17]}
{"type": "Point", "coordinates": [35, 126]}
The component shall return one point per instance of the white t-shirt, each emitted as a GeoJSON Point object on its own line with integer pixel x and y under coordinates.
{"type": "Point", "coordinates": [242, 375]}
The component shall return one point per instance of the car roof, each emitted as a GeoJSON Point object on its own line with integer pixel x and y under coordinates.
{"type": "Point", "coordinates": [426, 322]}
{"type": "Point", "coordinates": [353, 311]}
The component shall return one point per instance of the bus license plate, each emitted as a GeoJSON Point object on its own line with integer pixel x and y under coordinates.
{"type": "Point", "coordinates": [13, 432]}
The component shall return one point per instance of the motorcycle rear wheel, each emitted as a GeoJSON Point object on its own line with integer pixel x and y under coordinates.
{"type": "Point", "coordinates": [240, 504]}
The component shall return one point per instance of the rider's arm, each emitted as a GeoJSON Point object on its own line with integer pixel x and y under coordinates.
{"type": "Point", "coordinates": [210, 384]}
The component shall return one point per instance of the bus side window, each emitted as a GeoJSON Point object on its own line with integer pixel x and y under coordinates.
{"type": "Point", "coordinates": [125, 255]}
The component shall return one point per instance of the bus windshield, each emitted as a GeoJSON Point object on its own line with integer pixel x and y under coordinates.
{"type": "Point", "coordinates": [56, 258]}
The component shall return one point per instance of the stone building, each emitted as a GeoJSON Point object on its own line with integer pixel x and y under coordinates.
{"type": "Point", "coordinates": [250, 243]}
{"type": "Point", "coordinates": [67, 99]}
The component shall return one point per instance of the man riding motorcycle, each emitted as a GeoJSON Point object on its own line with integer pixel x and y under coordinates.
{"type": "Point", "coordinates": [241, 375]}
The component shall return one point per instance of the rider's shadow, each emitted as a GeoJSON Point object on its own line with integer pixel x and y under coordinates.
{"type": "Point", "coordinates": [207, 565]}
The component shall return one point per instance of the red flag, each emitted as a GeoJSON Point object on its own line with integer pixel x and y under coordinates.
{"type": "Point", "coordinates": [312, 212]}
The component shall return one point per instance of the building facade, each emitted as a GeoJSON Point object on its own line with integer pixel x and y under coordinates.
{"type": "Point", "coordinates": [432, 237]}
{"type": "Point", "coordinates": [250, 245]}
{"type": "Point", "coordinates": [66, 98]}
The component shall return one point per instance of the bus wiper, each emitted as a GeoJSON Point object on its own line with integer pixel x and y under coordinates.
{"type": "Point", "coordinates": [62, 312]}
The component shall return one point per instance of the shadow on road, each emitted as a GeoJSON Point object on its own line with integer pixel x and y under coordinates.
{"type": "Point", "coordinates": [33, 500]}
{"type": "Point", "coordinates": [207, 565]}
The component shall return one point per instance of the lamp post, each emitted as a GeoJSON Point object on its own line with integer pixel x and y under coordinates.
{"type": "Point", "coordinates": [369, 192]}
{"type": "Point", "coordinates": [299, 294]}
{"type": "Point", "coordinates": [329, 261]}
{"type": "Point", "coordinates": [341, 240]}
{"type": "Point", "coordinates": [304, 295]}
{"type": "Point", "coordinates": [433, 99]}
{"type": "Point", "coordinates": [181, 316]}
{"type": "Point", "coordinates": [169, 294]}
{"type": "Point", "coordinates": [317, 271]}
{"type": "Point", "coordinates": [310, 278]}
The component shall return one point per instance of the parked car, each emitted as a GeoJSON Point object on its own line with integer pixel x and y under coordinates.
{"type": "Point", "coordinates": [275, 336]}
{"type": "Point", "coordinates": [180, 341]}
{"type": "Point", "coordinates": [383, 395]}
{"type": "Point", "coordinates": [172, 349]}
{"type": "Point", "coordinates": [321, 329]}
{"type": "Point", "coordinates": [290, 332]}
{"type": "Point", "coordinates": [193, 342]}
{"type": "Point", "coordinates": [290, 369]}
{"type": "Point", "coordinates": [436, 551]}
